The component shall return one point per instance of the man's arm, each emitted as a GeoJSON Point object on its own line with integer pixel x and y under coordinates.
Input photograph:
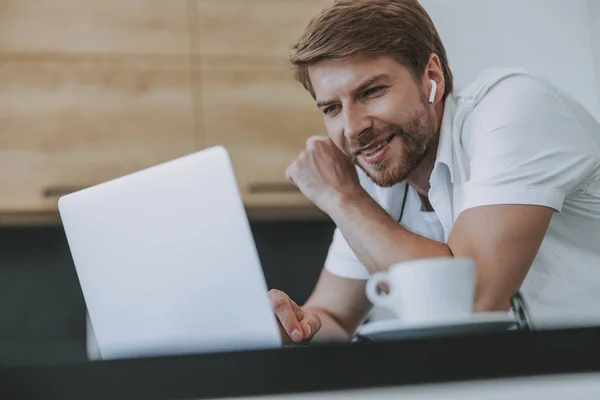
{"type": "Point", "coordinates": [378, 240]}
{"type": "Point", "coordinates": [333, 312]}
{"type": "Point", "coordinates": [503, 240]}
{"type": "Point", "coordinates": [340, 303]}
{"type": "Point", "coordinates": [528, 151]}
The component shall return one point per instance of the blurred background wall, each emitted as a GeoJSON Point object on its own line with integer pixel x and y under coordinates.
{"type": "Point", "coordinates": [93, 89]}
{"type": "Point", "coordinates": [594, 18]}
{"type": "Point", "coordinates": [551, 37]}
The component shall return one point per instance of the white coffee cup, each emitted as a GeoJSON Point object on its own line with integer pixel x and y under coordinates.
{"type": "Point", "coordinates": [426, 290]}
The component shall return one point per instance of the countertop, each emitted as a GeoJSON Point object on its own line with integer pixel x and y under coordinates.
{"type": "Point", "coordinates": [312, 368]}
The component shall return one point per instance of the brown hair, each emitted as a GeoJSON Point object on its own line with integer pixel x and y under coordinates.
{"type": "Point", "coordinates": [401, 29]}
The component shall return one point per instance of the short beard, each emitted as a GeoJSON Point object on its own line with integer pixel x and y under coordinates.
{"type": "Point", "coordinates": [416, 136]}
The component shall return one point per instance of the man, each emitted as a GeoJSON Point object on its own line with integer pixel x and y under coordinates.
{"type": "Point", "coordinates": [506, 171]}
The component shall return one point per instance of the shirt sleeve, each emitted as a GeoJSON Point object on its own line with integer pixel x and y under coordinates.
{"type": "Point", "coordinates": [526, 146]}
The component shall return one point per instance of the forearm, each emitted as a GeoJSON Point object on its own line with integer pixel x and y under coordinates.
{"type": "Point", "coordinates": [378, 240]}
{"type": "Point", "coordinates": [331, 329]}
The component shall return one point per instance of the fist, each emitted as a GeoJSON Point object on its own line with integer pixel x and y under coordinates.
{"type": "Point", "coordinates": [295, 325]}
{"type": "Point", "coordinates": [323, 173]}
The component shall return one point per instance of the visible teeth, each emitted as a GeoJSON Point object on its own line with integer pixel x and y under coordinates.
{"type": "Point", "coordinates": [369, 152]}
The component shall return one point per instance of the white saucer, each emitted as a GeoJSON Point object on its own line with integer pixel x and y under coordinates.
{"type": "Point", "coordinates": [394, 329]}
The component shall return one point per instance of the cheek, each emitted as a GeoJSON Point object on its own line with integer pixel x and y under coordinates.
{"type": "Point", "coordinates": [336, 133]}
{"type": "Point", "coordinates": [391, 109]}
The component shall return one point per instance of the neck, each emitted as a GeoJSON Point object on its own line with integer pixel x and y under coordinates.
{"type": "Point", "coordinates": [419, 178]}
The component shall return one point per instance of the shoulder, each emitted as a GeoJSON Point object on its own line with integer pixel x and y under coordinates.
{"type": "Point", "coordinates": [519, 101]}
{"type": "Point", "coordinates": [511, 93]}
{"type": "Point", "coordinates": [489, 80]}
{"type": "Point", "coordinates": [519, 131]}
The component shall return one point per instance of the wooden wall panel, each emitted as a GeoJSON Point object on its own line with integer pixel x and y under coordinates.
{"type": "Point", "coordinates": [76, 28]}
{"type": "Point", "coordinates": [93, 89]}
{"type": "Point", "coordinates": [249, 101]}
{"type": "Point", "coordinates": [253, 28]}
{"type": "Point", "coordinates": [263, 117]}
{"type": "Point", "coordinates": [73, 124]}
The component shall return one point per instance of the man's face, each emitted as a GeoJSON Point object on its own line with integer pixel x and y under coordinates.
{"type": "Point", "coordinates": [376, 114]}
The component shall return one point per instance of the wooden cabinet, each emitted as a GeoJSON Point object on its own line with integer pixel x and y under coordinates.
{"type": "Point", "coordinates": [249, 101]}
{"type": "Point", "coordinates": [252, 29]}
{"type": "Point", "coordinates": [83, 28]}
{"type": "Point", "coordinates": [67, 125]}
{"type": "Point", "coordinates": [94, 89]}
{"type": "Point", "coordinates": [263, 117]}
{"type": "Point", "coordinates": [89, 90]}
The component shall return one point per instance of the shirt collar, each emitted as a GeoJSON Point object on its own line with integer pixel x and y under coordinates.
{"type": "Point", "coordinates": [445, 148]}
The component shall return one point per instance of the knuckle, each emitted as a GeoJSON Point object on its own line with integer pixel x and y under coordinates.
{"type": "Point", "coordinates": [279, 305]}
{"type": "Point", "coordinates": [313, 142]}
{"type": "Point", "coordinates": [278, 300]}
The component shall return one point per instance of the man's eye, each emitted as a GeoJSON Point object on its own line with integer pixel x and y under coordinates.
{"type": "Point", "coordinates": [329, 109]}
{"type": "Point", "coordinates": [373, 90]}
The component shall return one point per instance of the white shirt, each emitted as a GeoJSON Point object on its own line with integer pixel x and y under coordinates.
{"type": "Point", "coordinates": [510, 137]}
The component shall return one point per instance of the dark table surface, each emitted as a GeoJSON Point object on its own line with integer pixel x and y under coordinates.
{"type": "Point", "coordinates": [313, 368]}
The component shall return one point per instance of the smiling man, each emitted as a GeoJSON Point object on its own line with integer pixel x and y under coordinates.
{"type": "Point", "coordinates": [505, 171]}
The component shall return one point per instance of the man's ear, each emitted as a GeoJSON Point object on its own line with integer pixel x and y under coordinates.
{"type": "Point", "coordinates": [434, 72]}
{"type": "Point", "coordinates": [432, 91]}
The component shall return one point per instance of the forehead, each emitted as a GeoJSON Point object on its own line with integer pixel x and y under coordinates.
{"type": "Point", "coordinates": [341, 76]}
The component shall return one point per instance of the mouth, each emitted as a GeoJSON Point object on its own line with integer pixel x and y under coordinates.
{"type": "Point", "coordinates": [375, 152]}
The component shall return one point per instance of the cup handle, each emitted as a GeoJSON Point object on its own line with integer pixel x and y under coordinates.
{"type": "Point", "coordinates": [372, 288]}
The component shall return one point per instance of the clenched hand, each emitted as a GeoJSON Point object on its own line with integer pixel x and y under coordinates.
{"type": "Point", "coordinates": [324, 174]}
{"type": "Point", "coordinates": [295, 325]}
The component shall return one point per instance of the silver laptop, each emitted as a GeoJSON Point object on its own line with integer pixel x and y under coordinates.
{"type": "Point", "coordinates": [167, 261]}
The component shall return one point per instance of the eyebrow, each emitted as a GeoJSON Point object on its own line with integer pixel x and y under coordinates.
{"type": "Point", "coordinates": [363, 86]}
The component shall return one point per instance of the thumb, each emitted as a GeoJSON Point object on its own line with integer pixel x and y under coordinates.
{"type": "Point", "coordinates": [311, 324]}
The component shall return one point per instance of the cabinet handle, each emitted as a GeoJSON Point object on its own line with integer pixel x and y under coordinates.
{"type": "Point", "coordinates": [57, 191]}
{"type": "Point", "coordinates": [272, 187]}
{"type": "Point", "coordinates": [259, 187]}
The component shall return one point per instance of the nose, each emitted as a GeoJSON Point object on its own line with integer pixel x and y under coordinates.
{"type": "Point", "coordinates": [355, 122]}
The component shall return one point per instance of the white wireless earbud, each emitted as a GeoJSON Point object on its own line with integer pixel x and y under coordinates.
{"type": "Point", "coordinates": [433, 91]}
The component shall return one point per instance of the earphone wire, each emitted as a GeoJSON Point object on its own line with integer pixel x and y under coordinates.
{"type": "Point", "coordinates": [403, 203]}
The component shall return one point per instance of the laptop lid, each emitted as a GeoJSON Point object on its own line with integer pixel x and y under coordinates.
{"type": "Point", "coordinates": [167, 262]}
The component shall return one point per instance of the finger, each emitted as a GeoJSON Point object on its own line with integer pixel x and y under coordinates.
{"type": "Point", "coordinates": [290, 178]}
{"type": "Point", "coordinates": [286, 316]}
{"type": "Point", "coordinates": [311, 141]}
{"type": "Point", "coordinates": [289, 174]}
{"type": "Point", "coordinates": [311, 324]}
{"type": "Point", "coordinates": [297, 310]}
